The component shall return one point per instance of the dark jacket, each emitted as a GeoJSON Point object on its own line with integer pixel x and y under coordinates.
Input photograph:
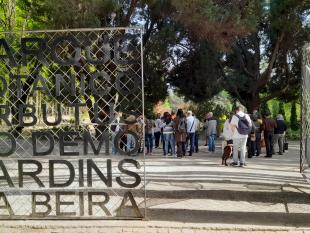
{"type": "Point", "coordinates": [269, 125]}
{"type": "Point", "coordinates": [281, 127]}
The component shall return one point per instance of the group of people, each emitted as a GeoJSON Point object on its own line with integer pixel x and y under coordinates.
{"type": "Point", "coordinates": [179, 133]}
{"type": "Point", "coordinates": [173, 130]}
{"type": "Point", "coordinates": [128, 141]}
{"type": "Point", "coordinates": [247, 133]}
{"type": "Point", "coordinates": [178, 130]}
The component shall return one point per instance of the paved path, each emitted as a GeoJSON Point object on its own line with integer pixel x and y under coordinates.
{"type": "Point", "coordinates": [266, 191]}
{"type": "Point", "coordinates": [197, 194]}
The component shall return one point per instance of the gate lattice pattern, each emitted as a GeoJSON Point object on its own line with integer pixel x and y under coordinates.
{"type": "Point", "coordinates": [106, 69]}
{"type": "Point", "coordinates": [305, 100]}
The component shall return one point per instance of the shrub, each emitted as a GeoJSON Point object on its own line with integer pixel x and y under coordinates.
{"type": "Point", "coordinates": [293, 134]}
{"type": "Point", "coordinates": [282, 110]}
{"type": "Point", "coordinates": [294, 121]}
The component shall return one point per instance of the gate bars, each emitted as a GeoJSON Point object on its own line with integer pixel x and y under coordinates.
{"type": "Point", "coordinates": [55, 71]}
{"type": "Point", "coordinates": [305, 111]}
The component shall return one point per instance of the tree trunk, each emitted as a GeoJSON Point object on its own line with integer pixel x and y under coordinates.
{"type": "Point", "coordinates": [252, 103]}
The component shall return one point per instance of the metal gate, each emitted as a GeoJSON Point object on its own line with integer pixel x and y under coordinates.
{"type": "Point", "coordinates": [305, 111]}
{"type": "Point", "coordinates": [71, 133]}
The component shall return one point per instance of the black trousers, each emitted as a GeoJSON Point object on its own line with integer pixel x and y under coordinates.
{"type": "Point", "coordinates": [196, 142]}
{"type": "Point", "coordinates": [257, 145]}
{"type": "Point", "coordinates": [251, 147]}
{"type": "Point", "coordinates": [269, 142]}
{"type": "Point", "coordinates": [191, 137]}
{"type": "Point", "coordinates": [181, 150]}
{"type": "Point", "coordinates": [157, 138]}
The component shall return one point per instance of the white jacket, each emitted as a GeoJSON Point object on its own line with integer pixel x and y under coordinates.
{"type": "Point", "coordinates": [227, 131]}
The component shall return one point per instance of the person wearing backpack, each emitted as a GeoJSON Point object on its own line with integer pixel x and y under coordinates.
{"type": "Point", "coordinates": [241, 127]}
{"type": "Point", "coordinates": [180, 126]}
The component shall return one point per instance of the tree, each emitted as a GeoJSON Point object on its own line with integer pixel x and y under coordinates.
{"type": "Point", "coordinates": [61, 14]}
{"type": "Point", "coordinates": [293, 120]}
{"type": "Point", "coordinates": [220, 105]}
{"type": "Point", "coordinates": [274, 109]}
{"type": "Point", "coordinates": [252, 49]}
{"type": "Point", "coordinates": [195, 75]}
{"type": "Point", "coordinates": [258, 46]}
{"type": "Point", "coordinates": [264, 109]}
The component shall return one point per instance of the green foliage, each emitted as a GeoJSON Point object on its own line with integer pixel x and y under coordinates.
{"type": "Point", "coordinates": [242, 61]}
{"type": "Point", "coordinates": [62, 14]}
{"type": "Point", "coordinates": [220, 105]}
{"type": "Point", "coordinates": [274, 109]}
{"type": "Point", "coordinates": [218, 22]}
{"type": "Point", "coordinates": [197, 78]}
{"type": "Point", "coordinates": [59, 14]}
{"type": "Point", "coordinates": [282, 110]}
{"type": "Point", "coordinates": [293, 120]}
{"type": "Point", "coordinates": [264, 109]}
{"type": "Point", "coordinates": [293, 134]}
{"type": "Point", "coordinates": [199, 46]}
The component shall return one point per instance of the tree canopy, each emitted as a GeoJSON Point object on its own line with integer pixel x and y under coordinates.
{"type": "Point", "coordinates": [250, 48]}
{"type": "Point", "coordinates": [257, 59]}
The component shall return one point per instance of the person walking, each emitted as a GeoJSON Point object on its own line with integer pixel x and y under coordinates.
{"type": "Point", "coordinates": [180, 126]}
{"type": "Point", "coordinates": [211, 131]}
{"type": "Point", "coordinates": [141, 137]}
{"type": "Point", "coordinates": [241, 127]}
{"type": "Point", "coordinates": [149, 124]}
{"type": "Point", "coordinates": [251, 139]}
{"type": "Point", "coordinates": [115, 128]}
{"type": "Point", "coordinates": [258, 131]}
{"type": "Point", "coordinates": [161, 129]}
{"type": "Point", "coordinates": [279, 133]}
{"type": "Point", "coordinates": [191, 127]}
{"type": "Point", "coordinates": [197, 123]}
{"type": "Point", "coordinates": [173, 116]}
{"type": "Point", "coordinates": [133, 126]}
{"type": "Point", "coordinates": [157, 132]}
{"type": "Point", "coordinates": [168, 135]}
{"type": "Point", "coordinates": [269, 126]}
{"type": "Point", "coordinates": [205, 122]}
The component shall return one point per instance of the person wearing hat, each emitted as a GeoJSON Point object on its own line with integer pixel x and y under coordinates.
{"type": "Point", "coordinates": [132, 125]}
{"type": "Point", "coordinates": [279, 133]}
